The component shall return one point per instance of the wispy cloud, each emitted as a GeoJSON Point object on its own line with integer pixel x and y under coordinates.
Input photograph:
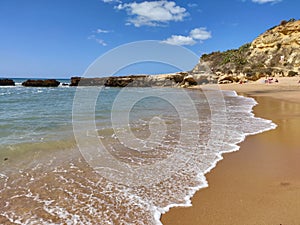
{"type": "Point", "coordinates": [266, 1]}
{"type": "Point", "coordinates": [96, 34]}
{"type": "Point", "coordinates": [112, 1]}
{"type": "Point", "coordinates": [101, 42]}
{"type": "Point", "coordinates": [98, 40]}
{"type": "Point", "coordinates": [101, 31]}
{"type": "Point", "coordinates": [153, 13]}
{"type": "Point", "coordinates": [192, 5]}
{"type": "Point", "coordinates": [196, 35]}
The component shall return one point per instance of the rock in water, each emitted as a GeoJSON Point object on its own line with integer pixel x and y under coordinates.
{"type": "Point", "coordinates": [41, 83]}
{"type": "Point", "coordinates": [75, 81]}
{"type": "Point", "coordinates": [7, 82]}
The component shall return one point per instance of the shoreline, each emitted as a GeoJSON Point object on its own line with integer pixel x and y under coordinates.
{"type": "Point", "coordinates": [235, 148]}
{"type": "Point", "coordinates": [215, 179]}
{"type": "Point", "coordinates": [247, 187]}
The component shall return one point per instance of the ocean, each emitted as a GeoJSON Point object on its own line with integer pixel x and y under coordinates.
{"type": "Point", "coordinates": [92, 155]}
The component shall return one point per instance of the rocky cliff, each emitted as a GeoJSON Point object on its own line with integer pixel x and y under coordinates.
{"type": "Point", "coordinates": [274, 53]}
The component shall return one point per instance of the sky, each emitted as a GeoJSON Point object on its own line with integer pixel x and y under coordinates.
{"type": "Point", "coordinates": [62, 38]}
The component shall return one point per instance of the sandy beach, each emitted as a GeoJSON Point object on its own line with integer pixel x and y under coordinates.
{"type": "Point", "coordinates": [260, 184]}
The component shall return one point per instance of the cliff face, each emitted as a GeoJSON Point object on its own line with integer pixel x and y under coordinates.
{"type": "Point", "coordinates": [274, 53]}
{"type": "Point", "coordinates": [279, 46]}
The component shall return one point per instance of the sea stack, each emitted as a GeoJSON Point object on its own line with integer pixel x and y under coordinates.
{"type": "Point", "coordinates": [7, 82]}
{"type": "Point", "coordinates": [41, 83]}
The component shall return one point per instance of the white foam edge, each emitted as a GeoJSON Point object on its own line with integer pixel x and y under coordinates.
{"type": "Point", "coordinates": [219, 156]}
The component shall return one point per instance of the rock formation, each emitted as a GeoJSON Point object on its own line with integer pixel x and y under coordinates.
{"type": "Point", "coordinates": [180, 79]}
{"type": "Point", "coordinates": [274, 53]}
{"type": "Point", "coordinates": [7, 82]}
{"type": "Point", "coordinates": [131, 81]}
{"type": "Point", "coordinates": [75, 81]}
{"type": "Point", "coordinates": [41, 83]}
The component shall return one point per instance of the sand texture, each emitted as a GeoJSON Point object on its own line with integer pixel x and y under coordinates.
{"type": "Point", "coordinates": [260, 184]}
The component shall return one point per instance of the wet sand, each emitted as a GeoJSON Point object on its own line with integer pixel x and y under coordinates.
{"type": "Point", "coordinates": [260, 184]}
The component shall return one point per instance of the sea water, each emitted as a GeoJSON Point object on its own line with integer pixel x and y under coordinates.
{"type": "Point", "coordinates": [124, 157]}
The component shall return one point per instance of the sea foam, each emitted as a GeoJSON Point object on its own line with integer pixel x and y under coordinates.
{"type": "Point", "coordinates": [60, 183]}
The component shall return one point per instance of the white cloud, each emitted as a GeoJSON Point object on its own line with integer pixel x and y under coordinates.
{"type": "Point", "coordinates": [99, 31]}
{"type": "Point", "coordinates": [200, 34]}
{"type": "Point", "coordinates": [153, 13]}
{"type": "Point", "coordinates": [196, 35]}
{"type": "Point", "coordinates": [265, 1]}
{"type": "Point", "coordinates": [180, 40]}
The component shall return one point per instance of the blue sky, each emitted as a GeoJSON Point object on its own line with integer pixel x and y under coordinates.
{"type": "Point", "coordinates": [61, 38]}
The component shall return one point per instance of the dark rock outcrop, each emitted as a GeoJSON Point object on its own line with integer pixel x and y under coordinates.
{"type": "Point", "coordinates": [180, 79]}
{"type": "Point", "coordinates": [7, 82]}
{"type": "Point", "coordinates": [75, 81]}
{"type": "Point", "coordinates": [123, 81]}
{"type": "Point", "coordinates": [41, 83]}
{"type": "Point", "coordinates": [131, 80]}
{"type": "Point", "coordinates": [190, 80]}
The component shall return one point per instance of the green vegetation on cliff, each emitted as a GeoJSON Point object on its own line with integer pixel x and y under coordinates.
{"type": "Point", "coordinates": [275, 52]}
{"type": "Point", "coordinates": [236, 58]}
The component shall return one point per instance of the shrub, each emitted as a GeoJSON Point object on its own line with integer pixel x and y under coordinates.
{"type": "Point", "coordinates": [292, 20]}
{"type": "Point", "coordinates": [278, 46]}
{"type": "Point", "coordinates": [283, 22]}
{"type": "Point", "coordinates": [257, 66]}
{"type": "Point", "coordinates": [249, 72]}
{"type": "Point", "coordinates": [269, 71]}
{"type": "Point", "coordinates": [244, 47]}
{"type": "Point", "coordinates": [292, 73]}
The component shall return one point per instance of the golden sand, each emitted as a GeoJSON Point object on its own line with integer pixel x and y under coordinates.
{"type": "Point", "coordinates": [260, 184]}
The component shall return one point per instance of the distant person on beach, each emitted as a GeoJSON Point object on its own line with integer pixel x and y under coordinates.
{"type": "Point", "coordinates": [268, 80]}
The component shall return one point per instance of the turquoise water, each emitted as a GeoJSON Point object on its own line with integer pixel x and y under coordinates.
{"type": "Point", "coordinates": [161, 142]}
{"type": "Point", "coordinates": [34, 114]}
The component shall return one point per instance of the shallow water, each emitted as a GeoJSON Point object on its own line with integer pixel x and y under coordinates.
{"type": "Point", "coordinates": [112, 156]}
